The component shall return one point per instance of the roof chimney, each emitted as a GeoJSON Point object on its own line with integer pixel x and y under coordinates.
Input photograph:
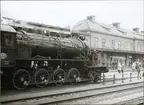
{"type": "Point", "coordinates": [91, 18]}
{"type": "Point", "coordinates": [136, 29]}
{"type": "Point", "coordinates": [116, 24]}
{"type": "Point", "coordinates": [142, 32]}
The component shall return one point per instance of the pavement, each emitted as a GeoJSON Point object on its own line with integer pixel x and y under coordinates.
{"type": "Point", "coordinates": [125, 70]}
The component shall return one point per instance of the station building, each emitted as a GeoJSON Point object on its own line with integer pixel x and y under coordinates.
{"type": "Point", "coordinates": [115, 42]}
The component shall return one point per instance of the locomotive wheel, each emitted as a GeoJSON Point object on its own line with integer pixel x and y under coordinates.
{"type": "Point", "coordinates": [21, 79]}
{"type": "Point", "coordinates": [73, 74]}
{"type": "Point", "coordinates": [92, 75]}
{"type": "Point", "coordinates": [59, 76]}
{"type": "Point", "coordinates": [41, 78]}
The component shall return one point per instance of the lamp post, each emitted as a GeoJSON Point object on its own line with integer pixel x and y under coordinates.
{"type": "Point", "coordinates": [142, 32]}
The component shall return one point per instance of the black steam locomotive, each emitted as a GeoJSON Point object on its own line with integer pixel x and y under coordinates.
{"type": "Point", "coordinates": [44, 57]}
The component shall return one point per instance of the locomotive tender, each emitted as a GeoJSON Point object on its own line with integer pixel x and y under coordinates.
{"type": "Point", "coordinates": [39, 56]}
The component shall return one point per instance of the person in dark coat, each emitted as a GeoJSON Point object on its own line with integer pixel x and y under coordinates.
{"type": "Point", "coordinates": [138, 67]}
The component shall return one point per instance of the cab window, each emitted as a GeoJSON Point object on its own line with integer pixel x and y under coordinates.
{"type": "Point", "coordinates": [7, 40]}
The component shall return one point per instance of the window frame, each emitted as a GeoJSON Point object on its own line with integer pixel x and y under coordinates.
{"type": "Point", "coordinates": [126, 45]}
{"type": "Point", "coordinates": [113, 44]}
{"type": "Point", "coordinates": [119, 45]}
{"type": "Point", "coordinates": [139, 46]}
{"type": "Point", "coordinates": [132, 46]}
{"type": "Point", "coordinates": [96, 42]}
{"type": "Point", "coordinates": [103, 43]}
{"type": "Point", "coordinates": [13, 36]}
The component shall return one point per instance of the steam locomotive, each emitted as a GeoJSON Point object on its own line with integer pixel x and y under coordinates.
{"type": "Point", "coordinates": [43, 57]}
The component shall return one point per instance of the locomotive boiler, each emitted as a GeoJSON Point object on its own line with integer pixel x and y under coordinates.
{"type": "Point", "coordinates": [49, 45]}
{"type": "Point", "coordinates": [44, 57]}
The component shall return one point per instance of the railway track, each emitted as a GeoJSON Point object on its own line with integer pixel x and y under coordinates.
{"type": "Point", "coordinates": [60, 97]}
{"type": "Point", "coordinates": [135, 101]}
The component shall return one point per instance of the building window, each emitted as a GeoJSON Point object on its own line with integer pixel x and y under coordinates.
{"type": "Point", "coordinates": [126, 45]}
{"type": "Point", "coordinates": [139, 47]}
{"type": "Point", "coordinates": [103, 42]}
{"type": "Point", "coordinates": [113, 44]}
{"type": "Point", "coordinates": [96, 42]}
{"type": "Point", "coordinates": [119, 45]}
{"type": "Point", "coordinates": [131, 47]}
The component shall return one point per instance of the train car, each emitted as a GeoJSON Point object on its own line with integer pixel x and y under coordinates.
{"type": "Point", "coordinates": [31, 58]}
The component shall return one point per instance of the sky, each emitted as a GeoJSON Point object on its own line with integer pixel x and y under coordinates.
{"type": "Point", "coordinates": [130, 13]}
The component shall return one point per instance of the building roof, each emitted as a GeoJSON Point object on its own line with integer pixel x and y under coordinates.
{"type": "Point", "coordinates": [22, 23]}
{"type": "Point", "coordinates": [92, 25]}
{"type": "Point", "coordinates": [7, 28]}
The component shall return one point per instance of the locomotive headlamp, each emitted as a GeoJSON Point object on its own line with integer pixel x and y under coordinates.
{"type": "Point", "coordinates": [3, 55]}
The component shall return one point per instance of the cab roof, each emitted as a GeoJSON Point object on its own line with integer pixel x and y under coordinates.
{"type": "Point", "coordinates": [7, 28]}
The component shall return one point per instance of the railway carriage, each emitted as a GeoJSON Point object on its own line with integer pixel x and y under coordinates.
{"type": "Point", "coordinates": [43, 58]}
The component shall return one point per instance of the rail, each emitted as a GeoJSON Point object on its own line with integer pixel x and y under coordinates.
{"type": "Point", "coordinates": [59, 97]}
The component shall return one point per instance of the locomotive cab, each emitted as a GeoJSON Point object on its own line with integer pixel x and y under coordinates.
{"type": "Point", "coordinates": [8, 46]}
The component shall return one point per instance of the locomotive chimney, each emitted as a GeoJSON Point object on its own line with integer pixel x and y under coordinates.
{"type": "Point", "coordinates": [136, 29]}
{"type": "Point", "coordinates": [91, 18]}
{"type": "Point", "coordinates": [116, 24]}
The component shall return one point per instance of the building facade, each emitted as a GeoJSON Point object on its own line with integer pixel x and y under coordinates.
{"type": "Point", "coordinates": [115, 43]}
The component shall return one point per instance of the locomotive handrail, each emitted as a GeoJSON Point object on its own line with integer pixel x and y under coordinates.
{"type": "Point", "coordinates": [96, 66]}
{"type": "Point", "coordinates": [45, 59]}
{"type": "Point", "coordinates": [38, 56]}
{"type": "Point", "coordinates": [59, 50]}
{"type": "Point", "coordinates": [24, 33]}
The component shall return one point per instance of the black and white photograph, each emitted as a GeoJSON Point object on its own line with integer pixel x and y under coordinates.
{"type": "Point", "coordinates": [72, 52]}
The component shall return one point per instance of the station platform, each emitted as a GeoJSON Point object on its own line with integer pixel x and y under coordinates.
{"type": "Point", "coordinates": [125, 70]}
{"type": "Point", "coordinates": [127, 74]}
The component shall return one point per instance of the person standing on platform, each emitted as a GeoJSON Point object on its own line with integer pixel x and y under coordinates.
{"type": "Point", "coordinates": [138, 67]}
{"type": "Point", "coordinates": [133, 66]}
{"type": "Point", "coordinates": [119, 67]}
{"type": "Point", "coordinates": [122, 67]}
